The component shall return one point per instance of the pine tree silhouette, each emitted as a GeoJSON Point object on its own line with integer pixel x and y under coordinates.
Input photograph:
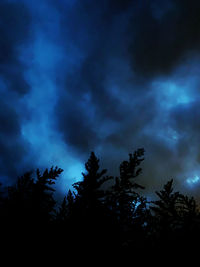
{"type": "Point", "coordinates": [125, 198]}
{"type": "Point", "coordinates": [99, 215]}
{"type": "Point", "coordinates": [189, 218]}
{"type": "Point", "coordinates": [126, 203]}
{"type": "Point", "coordinates": [44, 202]}
{"type": "Point", "coordinates": [175, 220]}
{"type": "Point", "coordinates": [89, 209]}
{"type": "Point", "coordinates": [66, 208]}
{"type": "Point", "coordinates": [20, 201]}
{"type": "Point", "coordinates": [166, 212]}
{"type": "Point", "coordinates": [90, 194]}
{"type": "Point", "coordinates": [29, 207]}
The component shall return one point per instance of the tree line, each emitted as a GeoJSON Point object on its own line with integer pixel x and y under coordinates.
{"type": "Point", "coordinates": [115, 216]}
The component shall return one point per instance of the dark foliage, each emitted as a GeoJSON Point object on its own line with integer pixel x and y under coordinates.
{"type": "Point", "coordinates": [99, 215]}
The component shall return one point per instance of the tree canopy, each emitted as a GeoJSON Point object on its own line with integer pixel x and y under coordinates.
{"type": "Point", "coordinates": [105, 215]}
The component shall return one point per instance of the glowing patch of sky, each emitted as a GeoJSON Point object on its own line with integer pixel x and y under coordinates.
{"type": "Point", "coordinates": [170, 93]}
{"type": "Point", "coordinates": [191, 181]}
{"type": "Point", "coordinates": [169, 135]}
{"type": "Point", "coordinates": [46, 143]}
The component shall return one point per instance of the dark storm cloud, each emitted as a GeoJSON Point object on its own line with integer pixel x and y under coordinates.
{"type": "Point", "coordinates": [101, 78]}
{"type": "Point", "coordinates": [164, 34]}
{"type": "Point", "coordinates": [92, 31]}
{"type": "Point", "coordinates": [12, 146]}
{"type": "Point", "coordinates": [185, 120]}
{"type": "Point", "coordinates": [110, 104]}
{"type": "Point", "coordinates": [186, 117]}
{"type": "Point", "coordinates": [14, 30]}
{"type": "Point", "coordinates": [106, 75]}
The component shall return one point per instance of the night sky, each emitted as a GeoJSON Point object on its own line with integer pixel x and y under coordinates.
{"type": "Point", "coordinates": [108, 76]}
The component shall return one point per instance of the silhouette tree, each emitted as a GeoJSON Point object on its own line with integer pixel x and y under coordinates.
{"type": "Point", "coordinates": [125, 202]}
{"type": "Point", "coordinates": [166, 211]}
{"type": "Point", "coordinates": [44, 202]}
{"type": "Point", "coordinates": [20, 201]}
{"type": "Point", "coordinates": [90, 212]}
{"type": "Point", "coordinates": [124, 197]}
{"type": "Point", "coordinates": [189, 218]}
{"type": "Point", "coordinates": [90, 194]}
{"type": "Point", "coordinates": [30, 201]}
{"type": "Point", "coordinates": [66, 208]}
{"type": "Point", "coordinates": [175, 217]}
{"type": "Point", "coordinates": [166, 206]}
{"type": "Point", "coordinates": [102, 216]}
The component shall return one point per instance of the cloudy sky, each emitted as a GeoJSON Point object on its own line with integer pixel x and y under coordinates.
{"type": "Point", "coordinates": [108, 76]}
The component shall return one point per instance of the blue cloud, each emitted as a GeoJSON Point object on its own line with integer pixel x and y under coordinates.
{"type": "Point", "coordinates": [108, 76]}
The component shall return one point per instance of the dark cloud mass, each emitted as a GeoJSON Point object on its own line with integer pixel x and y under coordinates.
{"type": "Point", "coordinates": [14, 31]}
{"type": "Point", "coordinates": [106, 75]}
{"type": "Point", "coordinates": [163, 39]}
